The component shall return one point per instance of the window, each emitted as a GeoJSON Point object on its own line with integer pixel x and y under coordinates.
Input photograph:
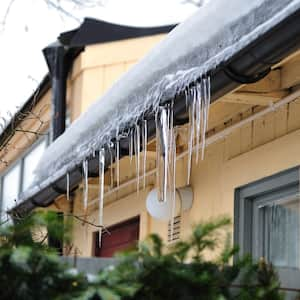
{"type": "Point", "coordinates": [19, 177]}
{"type": "Point", "coordinates": [10, 187]}
{"type": "Point", "coordinates": [267, 223]}
{"type": "Point", "coordinates": [30, 162]}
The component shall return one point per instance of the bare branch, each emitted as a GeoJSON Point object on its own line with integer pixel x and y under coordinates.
{"type": "Point", "coordinates": [194, 2]}
{"type": "Point", "coordinates": [59, 6]}
{"type": "Point", "coordinates": [4, 19]}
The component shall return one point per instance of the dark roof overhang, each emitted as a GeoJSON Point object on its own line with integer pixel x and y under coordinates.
{"type": "Point", "coordinates": [93, 31]}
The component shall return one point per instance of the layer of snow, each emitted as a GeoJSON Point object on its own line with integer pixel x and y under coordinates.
{"type": "Point", "coordinates": [215, 33]}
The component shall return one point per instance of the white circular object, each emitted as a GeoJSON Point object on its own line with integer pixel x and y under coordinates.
{"type": "Point", "coordinates": [162, 210]}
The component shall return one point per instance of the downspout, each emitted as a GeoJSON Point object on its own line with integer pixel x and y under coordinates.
{"type": "Point", "coordinates": [55, 56]}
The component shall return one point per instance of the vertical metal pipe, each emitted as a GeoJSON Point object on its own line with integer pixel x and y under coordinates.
{"type": "Point", "coordinates": [58, 67]}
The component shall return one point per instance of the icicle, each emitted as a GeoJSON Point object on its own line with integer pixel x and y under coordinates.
{"type": "Point", "coordinates": [68, 186]}
{"type": "Point", "coordinates": [198, 100]}
{"type": "Point", "coordinates": [186, 96]}
{"type": "Point", "coordinates": [191, 138]}
{"type": "Point", "coordinates": [131, 145]}
{"type": "Point", "coordinates": [171, 122]}
{"type": "Point", "coordinates": [145, 142]}
{"type": "Point", "coordinates": [173, 183]}
{"type": "Point", "coordinates": [206, 104]}
{"type": "Point", "coordinates": [208, 90]}
{"type": "Point", "coordinates": [158, 157]}
{"type": "Point", "coordinates": [101, 190]}
{"type": "Point", "coordinates": [137, 155]}
{"type": "Point", "coordinates": [86, 184]}
{"type": "Point", "coordinates": [164, 127]}
{"type": "Point", "coordinates": [111, 166]}
{"type": "Point", "coordinates": [118, 161]}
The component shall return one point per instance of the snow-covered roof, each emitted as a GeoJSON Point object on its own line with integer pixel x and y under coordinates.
{"type": "Point", "coordinates": [214, 34]}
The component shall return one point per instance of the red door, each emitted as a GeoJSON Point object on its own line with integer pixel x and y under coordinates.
{"type": "Point", "coordinates": [122, 236]}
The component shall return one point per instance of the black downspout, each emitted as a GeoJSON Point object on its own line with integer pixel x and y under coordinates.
{"type": "Point", "coordinates": [58, 65]}
{"type": "Point", "coordinates": [56, 57]}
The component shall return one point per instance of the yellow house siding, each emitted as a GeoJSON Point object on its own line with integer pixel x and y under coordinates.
{"type": "Point", "coordinates": [258, 149]}
{"type": "Point", "coordinates": [100, 66]}
{"type": "Point", "coordinates": [37, 121]}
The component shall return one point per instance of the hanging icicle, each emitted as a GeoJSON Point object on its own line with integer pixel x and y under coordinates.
{"type": "Point", "coordinates": [198, 117]}
{"type": "Point", "coordinates": [206, 103]}
{"type": "Point", "coordinates": [137, 144]}
{"type": "Point", "coordinates": [86, 184]}
{"type": "Point", "coordinates": [164, 126]}
{"type": "Point", "coordinates": [199, 103]}
{"type": "Point", "coordinates": [101, 190]}
{"type": "Point", "coordinates": [131, 145]}
{"type": "Point", "coordinates": [145, 142]}
{"type": "Point", "coordinates": [68, 186]}
{"type": "Point", "coordinates": [173, 158]}
{"type": "Point", "coordinates": [158, 157]}
{"type": "Point", "coordinates": [111, 165]}
{"type": "Point", "coordinates": [118, 157]}
{"type": "Point", "coordinates": [192, 108]}
{"type": "Point", "coordinates": [165, 137]}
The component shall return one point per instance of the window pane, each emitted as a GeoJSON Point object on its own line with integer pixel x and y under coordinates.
{"type": "Point", "coordinates": [283, 239]}
{"type": "Point", "coordinates": [11, 182]}
{"type": "Point", "coordinates": [30, 163]}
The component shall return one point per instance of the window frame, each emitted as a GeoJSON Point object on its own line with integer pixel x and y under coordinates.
{"type": "Point", "coordinates": [2, 176]}
{"type": "Point", "coordinates": [20, 160]}
{"type": "Point", "coordinates": [247, 201]}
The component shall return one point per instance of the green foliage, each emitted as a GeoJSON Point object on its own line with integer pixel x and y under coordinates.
{"type": "Point", "coordinates": [181, 272]}
{"type": "Point", "coordinates": [30, 270]}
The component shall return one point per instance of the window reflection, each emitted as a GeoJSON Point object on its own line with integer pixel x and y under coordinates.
{"type": "Point", "coordinates": [10, 189]}
{"type": "Point", "coordinates": [282, 233]}
{"type": "Point", "coordinates": [30, 162]}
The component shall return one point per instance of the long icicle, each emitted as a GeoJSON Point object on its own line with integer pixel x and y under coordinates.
{"type": "Point", "coordinates": [198, 100]}
{"type": "Point", "coordinates": [191, 138]}
{"type": "Point", "coordinates": [118, 157]}
{"type": "Point", "coordinates": [158, 156]}
{"type": "Point", "coordinates": [86, 184]}
{"type": "Point", "coordinates": [111, 165]}
{"type": "Point", "coordinates": [131, 145]}
{"type": "Point", "coordinates": [145, 142]}
{"type": "Point", "coordinates": [68, 186]}
{"type": "Point", "coordinates": [206, 104]}
{"type": "Point", "coordinates": [137, 155]}
{"type": "Point", "coordinates": [101, 191]}
{"type": "Point", "coordinates": [164, 126]}
{"type": "Point", "coordinates": [173, 187]}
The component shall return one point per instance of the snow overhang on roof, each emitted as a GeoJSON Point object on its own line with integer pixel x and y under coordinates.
{"type": "Point", "coordinates": [247, 36]}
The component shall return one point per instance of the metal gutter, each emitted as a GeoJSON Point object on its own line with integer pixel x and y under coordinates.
{"type": "Point", "coordinates": [250, 64]}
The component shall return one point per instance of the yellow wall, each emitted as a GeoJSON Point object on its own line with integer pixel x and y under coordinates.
{"type": "Point", "coordinates": [99, 66]}
{"type": "Point", "coordinates": [259, 149]}
{"type": "Point", "coordinates": [31, 129]}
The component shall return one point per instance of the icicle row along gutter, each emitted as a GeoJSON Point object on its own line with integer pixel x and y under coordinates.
{"type": "Point", "coordinates": [213, 139]}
